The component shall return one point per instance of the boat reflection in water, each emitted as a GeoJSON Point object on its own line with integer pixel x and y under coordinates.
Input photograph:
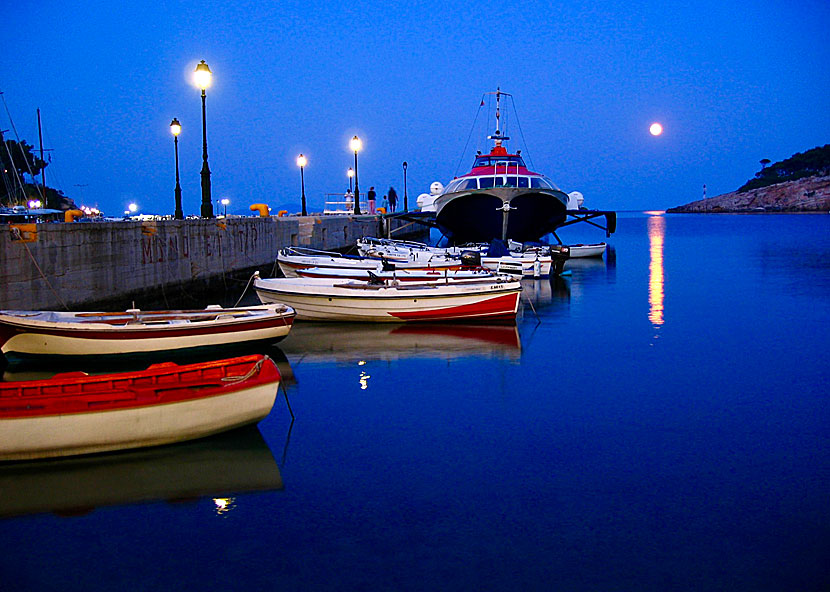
{"type": "Point", "coordinates": [220, 467]}
{"type": "Point", "coordinates": [350, 342]}
{"type": "Point", "coordinates": [656, 281]}
{"type": "Point", "coordinates": [583, 273]}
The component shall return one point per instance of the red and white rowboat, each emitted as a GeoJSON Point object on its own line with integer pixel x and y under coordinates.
{"type": "Point", "coordinates": [325, 299]}
{"type": "Point", "coordinates": [51, 333]}
{"type": "Point", "coordinates": [75, 413]}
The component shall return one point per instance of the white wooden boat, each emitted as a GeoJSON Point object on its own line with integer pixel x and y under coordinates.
{"type": "Point", "coordinates": [534, 262]}
{"type": "Point", "coordinates": [326, 299]}
{"type": "Point", "coordinates": [402, 275]}
{"type": "Point", "coordinates": [75, 413]}
{"type": "Point", "coordinates": [52, 333]}
{"type": "Point", "coordinates": [291, 259]}
{"type": "Point", "coordinates": [594, 250]}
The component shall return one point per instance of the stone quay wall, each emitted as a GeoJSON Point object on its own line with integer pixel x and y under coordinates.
{"type": "Point", "coordinates": [110, 265]}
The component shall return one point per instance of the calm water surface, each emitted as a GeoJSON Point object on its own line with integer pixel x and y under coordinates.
{"type": "Point", "coordinates": [663, 425]}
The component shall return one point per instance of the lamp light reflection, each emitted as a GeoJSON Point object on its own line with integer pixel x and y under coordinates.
{"type": "Point", "coordinates": [224, 504]}
{"type": "Point", "coordinates": [656, 280]}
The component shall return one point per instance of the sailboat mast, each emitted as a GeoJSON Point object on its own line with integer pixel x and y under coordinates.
{"type": "Point", "coordinates": [42, 170]}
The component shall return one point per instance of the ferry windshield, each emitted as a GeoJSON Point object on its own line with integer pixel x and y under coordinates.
{"type": "Point", "coordinates": [492, 161]}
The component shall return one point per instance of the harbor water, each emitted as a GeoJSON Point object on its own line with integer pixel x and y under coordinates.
{"type": "Point", "coordinates": [656, 420]}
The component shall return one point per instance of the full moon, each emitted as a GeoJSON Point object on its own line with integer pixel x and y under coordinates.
{"type": "Point", "coordinates": [656, 129]}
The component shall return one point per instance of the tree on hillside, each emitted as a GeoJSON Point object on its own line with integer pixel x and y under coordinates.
{"type": "Point", "coordinates": [801, 164]}
{"type": "Point", "coordinates": [764, 163]}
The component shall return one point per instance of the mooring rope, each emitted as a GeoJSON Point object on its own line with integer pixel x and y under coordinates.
{"type": "Point", "coordinates": [254, 370]}
{"type": "Point", "coordinates": [43, 275]}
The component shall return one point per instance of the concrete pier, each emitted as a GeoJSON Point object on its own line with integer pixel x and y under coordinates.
{"type": "Point", "coordinates": [110, 265]}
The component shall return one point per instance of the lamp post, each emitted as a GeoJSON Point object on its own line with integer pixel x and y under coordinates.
{"type": "Point", "coordinates": [176, 129]}
{"type": "Point", "coordinates": [405, 199]}
{"type": "Point", "coordinates": [301, 162]}
{"type": "Point", "coordinates": [202, 77]}
{"type": "Point", "coordinates": [350, 175]}
{"type": "Point", "coordinates": [225, 201]}
{"type": "Point", "coordinates": [355, 144]}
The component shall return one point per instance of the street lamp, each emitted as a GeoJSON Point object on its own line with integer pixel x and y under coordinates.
{"type": "Point", "coordinates": [176, 129]}
{"type": "Point", "coordinates": [355, 144]}
{"type": "Point", "coordinates": [202, 77]}
{"type": "Point", "coordinates": [350, 174]}
{"type": "Point", "coordinates": [405, 199]}
{"type": "Point", "coordinates": [301, 162]}
{"type": "Point", "coordinates": [225, 201]}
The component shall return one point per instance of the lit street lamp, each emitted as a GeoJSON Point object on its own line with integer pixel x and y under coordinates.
{"type": "Point", "coordinates": [301, 162]}
{"type": "Point", "coordinates": [176, 129]}
{"type": "Point", "coordinates": [225, 201]}
{"type": "Point", "coordinates": [202, 77]}
{"type": "Point", "coordinates": [350, 174]}
{"type": "Point", "coordinates": [355, 144]}
{"type": "Point", "coordinates": [405, 199]}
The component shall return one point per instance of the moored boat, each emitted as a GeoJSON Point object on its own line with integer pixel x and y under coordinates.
{"type": "Point", "coordinates": [594, 250]}
{"type": "Point", "coordinates": [325, 299]}
{"type": "Point", "coordinates": [53, 333]}
{"type": "Point", "coordinates": [75, 413]}
{"type": "Point", "coordinates": [292, 259]}
{"type": "Point", "coordinates": [531, 262]}
{"type": "Point", "coordinates": [500, 198]}
{"type": "Point", "coordinates": [402, 275]}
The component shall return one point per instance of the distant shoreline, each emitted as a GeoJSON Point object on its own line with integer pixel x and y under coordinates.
{"type": "Point", "coordinates": [804, 196]}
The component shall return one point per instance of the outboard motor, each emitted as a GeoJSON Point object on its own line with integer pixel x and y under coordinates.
{"type": "Point", "coordinates": [470, 259]}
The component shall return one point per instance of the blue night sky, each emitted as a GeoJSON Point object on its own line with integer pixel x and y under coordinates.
{"type": "Point", "coordinates": [731, 82]}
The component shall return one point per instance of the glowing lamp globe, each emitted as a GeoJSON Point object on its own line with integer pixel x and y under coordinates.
{"type": "Point", "coordinates": [175, 127]}
{"type": "Point", "coordinates": [355, 144]}
{"type": "Point", "coordinates": [202, 76]}
{"type": "Point", "coordinates": [301, 161]}
{"type": "Point", "coordinates": [656, 129]}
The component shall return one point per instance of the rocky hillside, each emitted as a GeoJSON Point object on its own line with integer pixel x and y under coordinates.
{"type": "Point", "coordinates": [810, 194]}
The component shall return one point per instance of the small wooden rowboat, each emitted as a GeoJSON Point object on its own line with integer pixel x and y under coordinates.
{"type": "Point", "coordinates": [292, 259]}
{"type": "Point", "coordinates": [50, 333]}
{"type": "Point", "coordinates": [75, 413]}
{"type": "Point", "coordinates": [326, 299]}
{"type": "Point", "coordinates": [534, 262]}
{"type": "Point", "coordinates": [579, 250]}
{"type": "Point", "coordinates": [402, 275]}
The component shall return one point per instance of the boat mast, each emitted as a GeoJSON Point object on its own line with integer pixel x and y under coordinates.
{"type": "Point", "coordinates": [497, 137]}
{"type": "Point", "coordinates": [42, 170]}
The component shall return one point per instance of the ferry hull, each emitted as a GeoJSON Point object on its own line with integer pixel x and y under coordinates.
{"type": "Point", "coordinates": [505, 213]}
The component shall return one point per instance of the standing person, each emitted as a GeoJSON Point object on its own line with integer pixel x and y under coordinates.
{"type": "Point", "coordinates": [349, 200]}
{"type": "Point", "coordinates": [393, 199]}
{"type": "Point", "coordinates": [371, 196]}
